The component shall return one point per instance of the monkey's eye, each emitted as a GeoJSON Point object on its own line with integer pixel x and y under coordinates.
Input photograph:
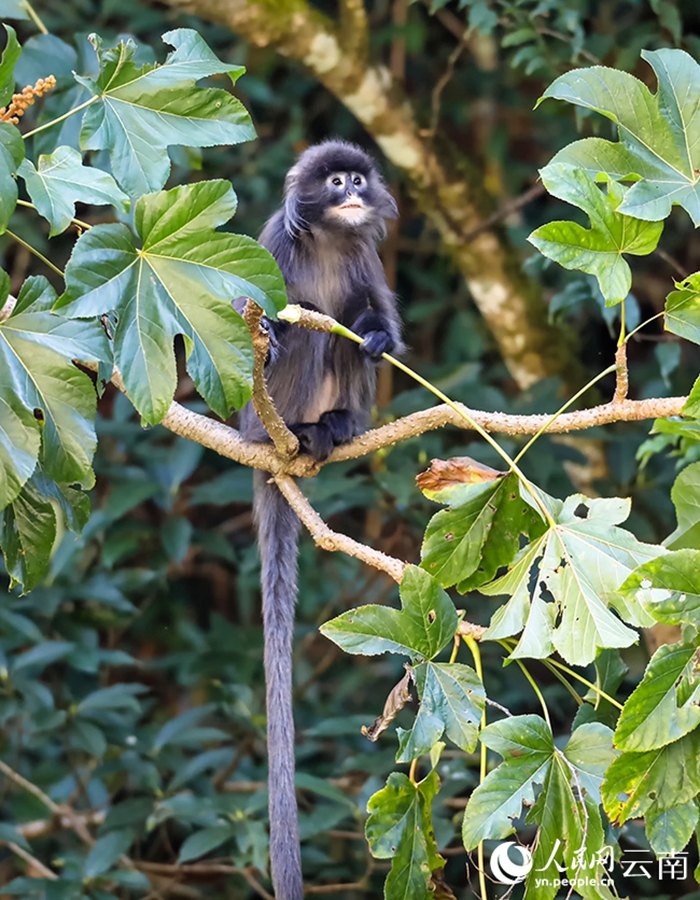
{"type": "Point", "coordinates": [337, 181]}
{"type": "Point", "coordinates": [357, 180]}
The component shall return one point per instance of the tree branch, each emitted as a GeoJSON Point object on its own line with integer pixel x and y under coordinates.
{"type": "Point", "coordinates": [286, 443]}
{"type": "Point", "coordinates": [328, 539]}
{"type": "Point", "coordinates": [448, 188]}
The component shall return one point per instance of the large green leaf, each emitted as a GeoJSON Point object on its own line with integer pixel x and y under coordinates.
{"type": "Point", "coordinates": [467, 544]}
{"type": "Point", "coordinates": [682, 312]}
{"type": "Point", "coordinates": [140, 111]}
{"type": "Point", "coordinates": [182, 281]}
{"type": "Point", "coordinates": [10, 55]}
{"type": "Point", "coordinates": [31, 524]}
{"type": "Point", "coordinates": [664, 707]}
{"type": "Point", "coordinates": [685, 495]}
{"type": "Point", "coordinates": [669, 587]}
{"type": "Point", "coordinates": [425, 624]}
{"type": "Point", "coordinates": [61, 180]}
{"type": "Point", "coordinates": [659, 133]}
{"type": "Point", "coordinates": [11, 155]}
{"type": "Point", "coordinates": [654, 780]}
{"type": "Point", "coordinates": [669, 830]}
{"type": "Point", "coordinates": [399, 828]}
{"type": "Point", "coordinates": [598, 250]}
{"type": "Point", "coordinates": [46, 400]}
{"type": "Point", "coordinates": [13, 9]}
{"type": "Point", "coordinates": [579, 562]}
{"type": "Point", "coordinates": [452, 700]}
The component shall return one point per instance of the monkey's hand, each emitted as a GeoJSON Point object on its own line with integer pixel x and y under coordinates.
{"type": "Point", "coordinates": [377, 339]}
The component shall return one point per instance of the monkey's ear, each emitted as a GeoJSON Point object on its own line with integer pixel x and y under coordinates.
{"type": "Point", "coordinates": [293, 219]}
{"type": "Point", "coordinates": [388, 207]}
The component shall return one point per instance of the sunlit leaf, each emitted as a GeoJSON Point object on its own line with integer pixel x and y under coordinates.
{"type": "Point", "coordinates": [682, 312]}
{"type": "Point", "coordinates": [685, 495]}
{"type": "Point", "coordinates": [669, 587]}
{"type": "Point", "coordinates": [10, 55]}
{"type": "Point", "coordinates": [597, 250]}
{"type": "Point", "coordinates": [11, 155]}
{"type": "Point", "coordinates": [182, 281]}
{"type": "Point", "coordinates": [659, 133]}
{"type": "Point", "coordinates": [140, 111]}
{"type": "Point", "coordinates": [61, 180]}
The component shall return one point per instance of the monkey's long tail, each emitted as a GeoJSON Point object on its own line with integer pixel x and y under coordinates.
{"type": "Point", "coordinates": [278, 535]}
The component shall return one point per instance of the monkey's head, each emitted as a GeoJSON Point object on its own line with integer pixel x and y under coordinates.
{"type": "Point", "coordinates": [337, 186]}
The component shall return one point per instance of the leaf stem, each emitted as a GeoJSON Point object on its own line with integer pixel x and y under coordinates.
{"type": "Point", "coordinates": [589, 684]}
{"type": "Point", "coordinates": [481, 863]}
{"type": "Point", "coordinates": [34, 16]}
{"type": "Point", "coordinates": [560, 677]}
{"type": "Point", "coordinates": [563, 409]}
{"type": "Point", "coordinates": [346, 332]}
{"type": "Point", "coordinates": [621, 339]}
{"type": "Point", "coordinates": [645, 323]}
{"type": "Point", "coordinates": [412, 770]}
{"type": "Point", "coordinates": [455, 648]}
{"type": "Point", "coordinates": [536, 688]}
{"type": "Point", "coordinates": [78, 222]}
{"type": "Point", "coordinates": [47, 262]}
{"type": "Point", "coordinates": [61, 118]}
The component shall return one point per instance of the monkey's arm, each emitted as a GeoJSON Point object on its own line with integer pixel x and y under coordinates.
{"type": "Point", "coordinates": [379, 323]}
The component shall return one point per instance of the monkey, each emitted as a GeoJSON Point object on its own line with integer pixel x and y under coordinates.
{"type": "Point", "coordinates": [324, 239]}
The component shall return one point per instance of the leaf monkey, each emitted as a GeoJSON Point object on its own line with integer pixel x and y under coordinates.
{"type": "Point", "coordinates": [324, 240]}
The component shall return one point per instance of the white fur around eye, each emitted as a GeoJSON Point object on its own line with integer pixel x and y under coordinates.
{"type": "Point", "coordinates": [333, 176]}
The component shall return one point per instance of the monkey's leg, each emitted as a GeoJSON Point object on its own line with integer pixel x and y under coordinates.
{"type": "Point", "coordinates": [342, 424]}
{"type": "Point", "coordinates": [315, 439]}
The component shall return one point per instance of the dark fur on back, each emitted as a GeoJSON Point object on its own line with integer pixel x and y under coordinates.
{"type": "Point", "coordinates": [323, 387]}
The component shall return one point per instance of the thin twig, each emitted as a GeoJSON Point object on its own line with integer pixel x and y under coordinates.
{"type": "Point", "coordinates": [22, 782]}
{"type": "Point", "coordinates": [328, 539]}
{"type": "Point", "coordinates": [505, 210]}
{"type": "Point", "coordinates": [442, 83]}
{"type": "Point", "coordinates": [32, 860]}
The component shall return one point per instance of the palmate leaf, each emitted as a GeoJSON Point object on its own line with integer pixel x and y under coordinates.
{"type": "Point", "coordinates": [659, 146]}
{"type": "Point", "coordinates": [425, 624]}
{"type": "Point", "coordinates": [669, 587]}
{"type": "Point", "coordinates": [11, 155]}
{"type": "Point", "coordinates": [399, 827]}
{"type": "Point", "coordinates": [452, 700]}
{"type": "Point", "coordinates": [563, 584]}
{"type": "Point", "coordinates": [466, 544]}
{"type": "Point", "coordinates": [597, 250]}
{"type": "Point", "coordinates": [30, 524]}
{"type": "Point", "coordinates": [60, 180]}
{"type": "Point", "coordinates": [48, 404]}
{"type": "Point", "coordinates": [182, 281]}
{"type": "Point", "coordinates": [682, 312]}
{"type": "Point", "coordinates": [140, 111]}
{"type": "Point", "coordinates": [685, 495]}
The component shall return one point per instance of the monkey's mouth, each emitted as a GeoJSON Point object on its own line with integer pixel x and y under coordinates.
{"type": "Point", "coordinates": [350, 205]}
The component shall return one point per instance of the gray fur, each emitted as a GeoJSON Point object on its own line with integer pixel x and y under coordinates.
{"type": "Point", "coordinates": [323, 387]}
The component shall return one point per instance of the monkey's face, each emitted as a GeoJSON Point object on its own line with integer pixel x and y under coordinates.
{"type": "Point", "coordinates": [348, 198]}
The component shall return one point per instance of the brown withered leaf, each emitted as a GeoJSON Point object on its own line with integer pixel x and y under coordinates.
{"type": "Point", "coordinates": [444, 481]}
{"type": "Point", "coordinates": [441, 890]}
{"type": "Point", "coordinates": [398, 697]}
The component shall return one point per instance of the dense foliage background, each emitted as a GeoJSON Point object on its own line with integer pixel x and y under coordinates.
{"type": "Point", "coordinates": [132, 679]}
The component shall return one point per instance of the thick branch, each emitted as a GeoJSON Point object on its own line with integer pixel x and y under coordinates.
{"type": "Point", "coordinates": [328, 539]}
{"type": "Point", "coordinates": [226, 441]}
{"type": "Point", "coordinates": [447, 187]}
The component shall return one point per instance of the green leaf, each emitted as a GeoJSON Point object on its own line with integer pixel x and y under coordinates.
{"type": "Point", "coordinates": [41, 656]}
{"type": "Point", "coordinates": [11, 155]}
{"type": "Point", "coordinates": [426, 622]}
{"type": "Point", "coordinates": [117, 696]}
{"type": "Point", "coordinates": [669, 830]}
{"type": "Point", "coordinates": [664, 706]}
{"type": "Point", "coordinates": [180, 723]}
{"type": "Point", "coordinates": [682, 312]}
{"type": "Point", "coordinates": [669, 587]}
{"type": "Point", "coordinates": [691, 407]}
{"type": "Point", "coordinates": [201, 842]}
{"type": "Point", "coordinates": [580, 562]}
{"type": "Point", "coordinates": [526, 745]}
{"type": "Point", "coordinates": [140, 111]}
{"type": "Point", "coordinates": [467, 544]}
{"type": "Point", "coordinates": [36, 353]}
{"type": "Point", "coordinates": [452, 701]}
{"type": "Point", "coordinates": [107, 851]}
{"type": "Point", "coordinates": [31, 523]}
{"type": "Point", "coordinates": [61, 180]}
{"type": "Point", "coordinates": [685, 495]}
{"type": "Point", "coordinates": [13, 9]}
{"type": "Point", "coordinates": [659, 133]}
{"type": "Point", "coordinates": [598, 250]}
{"type": "Point", "coordinates": [399, 827]}
{"type": "Point", "coordinates": [652, 781]}
{"type": "Point", "coordinates": [10, 55]}
{"type": "Point", "coordinates": [181, 282]}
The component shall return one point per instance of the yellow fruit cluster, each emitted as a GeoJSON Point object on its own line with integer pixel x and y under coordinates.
{"type": "Point", "coordinates": [24, 99]}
